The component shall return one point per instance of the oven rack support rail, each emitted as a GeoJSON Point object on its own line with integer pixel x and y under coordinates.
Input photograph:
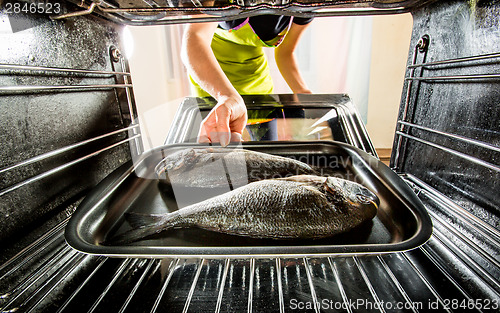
{"type": "Point", "coordinates": [56, 278]}
{"type": "Point", "coordinates": [127, 134]}
{"type": "Point", "coordinates": [405, 124]}
{"type": "Point", "coordinates": [70, 72]}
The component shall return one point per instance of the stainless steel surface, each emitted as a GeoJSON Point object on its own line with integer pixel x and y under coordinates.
{"type": "Point", "coordinates": [60, 168]}
{"type": "Point", "coordinates": [27, 70]}
{"type": "Point", "coordinates": [481, 57]}
{"type": "Point", "coordinates": [119, 59]}
{"type": "Point", "coordinates": [42, 69]}
{"type": "Point", "coordinates": [58, 142]}
{"type": "Point", "coordinates": [76, 13]}
{"type": "Point", "coordinates": [455, 137]}
{"type": "Point", "coordinates": [401, 224]}
{"type": "Point", "coordinates": [262, 284]}
{"type": "Point", "coordinates": [222, 285]}
{"type": "Point", "coordinates": [421, 46]}
{"type": "Point", "coordinates": [470, 239]}
{"type": "Point", "coordinates": [63, 87]}
{"type": "Point", "coordinates": [457, 77]}
{"type": "Point", "coordinates": [354, 128]}
{"type": "Point", "coordinates": [139, 17]}
{"type": "Point", "coordinates": [63, 149]}
{"type": "Point", "coordinates": [174, 12]}
{"type": "Point", "coordinates": [448, 134]}
{"type": "Point", "coordinates": [457, 266]}
{"type": "Point", "coordinates": [452, 151]}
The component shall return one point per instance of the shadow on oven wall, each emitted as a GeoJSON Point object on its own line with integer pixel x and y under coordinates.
{"type": "Point", "coordinates": [68, 119]}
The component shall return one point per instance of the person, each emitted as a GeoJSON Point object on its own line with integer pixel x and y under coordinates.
{"type": "Point", "coordinates": [227, 60]}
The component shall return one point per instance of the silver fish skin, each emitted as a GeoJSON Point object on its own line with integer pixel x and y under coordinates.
{"type": "Point", "coordinates": [298, 207]}
{"type": "Point", "coordinates": [216, 167]}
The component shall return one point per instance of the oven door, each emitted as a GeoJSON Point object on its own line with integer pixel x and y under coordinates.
{"type": "Point", "coordinates": [287, 117]}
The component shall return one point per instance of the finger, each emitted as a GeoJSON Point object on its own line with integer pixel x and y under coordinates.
{"type": "Point", "coordinates": [203, 135]}
{"type": "Point", "coordinates": [214, 136]}
{"type": "Point", "coordinates": [206, 128]}
{"type": "Point", "coordinates": [239, 124]}
{"type": "Point", "coordinates": [223, 130]}
{"type": "Point", "coordinates": [203, 139]}
{"type": "Point", "coordinates": [236, 137]}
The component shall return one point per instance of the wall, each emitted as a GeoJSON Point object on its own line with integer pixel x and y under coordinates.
{"type": "Point", "coordinates": [159, 78]}
{"type": "Point", "coordinates": [334, 57]}
{"type": "Point", "coordinates": [390, 45]}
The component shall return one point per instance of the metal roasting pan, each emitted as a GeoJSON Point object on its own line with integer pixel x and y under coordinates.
{"type": "Point", "coordinates": [402, 222]}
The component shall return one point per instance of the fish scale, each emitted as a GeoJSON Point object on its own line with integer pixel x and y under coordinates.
{"type": "Point", "coordinates": [217, 167]}
{"type": "Point", "coordinates": [303, 206]}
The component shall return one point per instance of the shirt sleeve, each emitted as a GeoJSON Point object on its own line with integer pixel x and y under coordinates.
{"type": "Point", "coordinates": [302, 20]}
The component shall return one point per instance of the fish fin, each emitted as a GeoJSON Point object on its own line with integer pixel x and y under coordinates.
{"type": "Point", "coordinates": [317, 170]}
{"type": "Point", "coordinates": [314, 190]}
{"type": "Point", "coordinates": [190, 159]}
{"type": "Point", "coordinates": [300, 178]}
{"type": "Point", "coordinates": [143, 226]}
{"type": "Point", "coordinates": [329, 189]}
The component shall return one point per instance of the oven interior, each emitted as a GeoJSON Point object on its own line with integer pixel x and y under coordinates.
{"type": "Point", "coordinates": [69, 120]}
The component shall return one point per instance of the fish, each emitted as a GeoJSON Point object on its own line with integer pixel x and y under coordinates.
{"type": "Point", "coordinates": [218, 167]}
{"type": "Point", "coordinates": [296, 207]}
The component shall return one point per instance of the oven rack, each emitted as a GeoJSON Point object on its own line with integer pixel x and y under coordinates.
{"type": "Point", "coordinates": [114, 80]}
{"type": "Point", "coordinates": [57, 278]}
{"type": "Point", "coordinates": [405, 124]}
{"type": "Point", "coordinates": [155, 12]}
{"type": "Point", "coordinates": [111, 140]}
{"type": "Point", "coordinates": [49, 71]}
{"type": "Point", "coordinates": [119, 78]}
{"type": "Point", "coordinates": [65, 144]}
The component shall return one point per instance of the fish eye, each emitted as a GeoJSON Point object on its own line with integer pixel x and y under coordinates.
{"type": "Point", "coordinates": [363, 199]}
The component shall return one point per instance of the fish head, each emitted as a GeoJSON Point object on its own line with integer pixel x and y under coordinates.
{"type": "Point", "coordinates": [355, 194]}
{"type": "Point", "coordinates": [180, 161]}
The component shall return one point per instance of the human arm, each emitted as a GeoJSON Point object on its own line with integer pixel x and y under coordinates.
{"type": "Point", "coordinates": [287, 62]}
{"type": "Point", "coordinates": [228, 118]}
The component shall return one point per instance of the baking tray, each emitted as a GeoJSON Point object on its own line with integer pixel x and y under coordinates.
{"type": "Point", "coordinates": [402, 222]}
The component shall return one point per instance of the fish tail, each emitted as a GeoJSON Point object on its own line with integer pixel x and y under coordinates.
{"type": "Point", "coordinates": [143, 226]}
{"type": "Point", "coordinates": [139, 220]}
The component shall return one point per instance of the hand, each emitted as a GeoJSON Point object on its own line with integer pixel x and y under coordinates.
{"type": "Point", "coordinates": [225, 122]}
